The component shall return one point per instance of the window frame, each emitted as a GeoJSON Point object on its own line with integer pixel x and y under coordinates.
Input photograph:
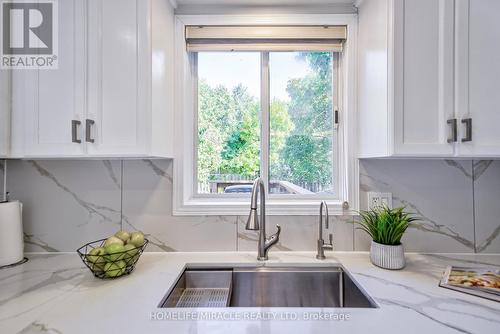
{"type": "Point", "coordinates": [187, 201]}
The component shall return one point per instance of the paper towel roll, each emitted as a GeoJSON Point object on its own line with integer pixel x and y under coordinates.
{"type": "Point", "coordinates": [11, 233]}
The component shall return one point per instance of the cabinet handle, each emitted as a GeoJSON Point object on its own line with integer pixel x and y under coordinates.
{"type": "Point", "coordinates": [468, 129]}
{"type": "Point", "coordinates": [453, 123]}
{"type": "Point", "coordinates": [88, 129]}
{"type": "Point", "coordinates": [74, 131]}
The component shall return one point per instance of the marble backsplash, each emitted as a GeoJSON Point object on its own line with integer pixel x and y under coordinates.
{"type": "Point", "coordinates": [458, 201]}
{"type": "Point", "coordinates": [68, 203]}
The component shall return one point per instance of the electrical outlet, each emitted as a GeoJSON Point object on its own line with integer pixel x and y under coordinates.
{"type": "Point", "coordinates": [379, 199]}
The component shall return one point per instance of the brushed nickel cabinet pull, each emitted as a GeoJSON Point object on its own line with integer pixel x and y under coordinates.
{"type": "Point", "coordinates": [74, 131]}
{"type": "Point", "coordinates": [453, 123]}
{"type": "Point", "coordinates": [468, 129]}
{"type": "Point", "coordinates": [88, 129]}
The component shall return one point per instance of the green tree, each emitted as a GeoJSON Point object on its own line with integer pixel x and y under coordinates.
{"type": "Point", "coordinates": [228, 132]}
{"type": "Point", "coordinates": [214, 105]}
{"type": "Point", "coordinates": [281, 126]}
{"type": "Point", "coordinates": [241, 151]}
{"type": "Point", "coordinates": [308, 151]}
{"type": "Point", "coordinates": [311, 97]}
{"type": "Point", "coordinates": [306, 160]}
{"type": "Point", "coordinates": [300, 130]}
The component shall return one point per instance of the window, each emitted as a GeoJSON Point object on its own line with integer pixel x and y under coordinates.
{"type": "Point", "coordinates": [280, 129]}
{"type": "Point", "coordinates": [261, 101]}
{"type": "Point", "coordinates": [301, 129]}
{"type": "Point", "coordinates": [228, 154]}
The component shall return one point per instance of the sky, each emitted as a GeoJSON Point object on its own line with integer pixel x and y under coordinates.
{"type": "Point", "coordinates": [232, 68]}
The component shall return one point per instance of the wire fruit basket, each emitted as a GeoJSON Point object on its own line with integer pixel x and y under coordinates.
{"type": "Point", "coordinates": [112, 265]}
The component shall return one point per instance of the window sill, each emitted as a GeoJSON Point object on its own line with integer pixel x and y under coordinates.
{"type": "Point", "coordinates": [225, 207]}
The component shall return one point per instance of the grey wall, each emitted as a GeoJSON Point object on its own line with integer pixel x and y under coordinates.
{"type": "Point", "coordinates": [68, 203]}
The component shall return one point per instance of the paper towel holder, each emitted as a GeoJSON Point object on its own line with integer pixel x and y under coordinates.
{"type": "Point", "coordinates": [5, 199]}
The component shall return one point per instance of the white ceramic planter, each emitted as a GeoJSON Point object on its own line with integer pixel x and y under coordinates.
{"type": "Point", "coordinates": [386, 256]}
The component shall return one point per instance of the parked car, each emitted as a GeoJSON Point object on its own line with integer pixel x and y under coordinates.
{"type": "Point", "coordinates": [240, 188]}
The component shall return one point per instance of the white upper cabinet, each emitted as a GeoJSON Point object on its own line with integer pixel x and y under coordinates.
{"type": "Point", "coordinates": [423, 76]}
{"type": "Point", "coordinates": [478, 77]}
{"type": "Point", "coordinates": [130, 78]}
{"type": "Point", "coordinates": [4, 113]}
{"type": "Point", "coordinates": [106, 99]}
{"type": "Point", "coordinates": [423, 103]}
{"type": "Point", "coordinates": [52, 102]}
{"type": "Point", "coordinates": [405, 77]}
{"type": "Point", "coordinates": [117, 83]}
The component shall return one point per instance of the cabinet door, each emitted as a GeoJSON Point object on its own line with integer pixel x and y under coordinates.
{"type": "Point", "coordinates": [478, 76]}
{"type": "Point", "coordinates": [55, 98]}
{"type": "Point", "coordinates": [117, 88]}
{"type": "Point", "coordinates": [4, 113]}
{"type": "Point", "coordinates": [423, 72]}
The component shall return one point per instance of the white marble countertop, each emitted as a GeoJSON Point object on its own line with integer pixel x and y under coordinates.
{"type": "Point", "coordinates": [55, 293]}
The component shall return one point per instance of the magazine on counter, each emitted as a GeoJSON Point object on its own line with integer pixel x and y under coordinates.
{"type": "Point", "coordinates": [481, 282]}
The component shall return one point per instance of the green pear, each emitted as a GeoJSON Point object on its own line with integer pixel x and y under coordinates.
{"type": "Point", "coordinates": [114, 252]}
{"type": "Point", "coordinates": [122, 235]}
{"type": "Point", "coordinates": [113, 240]}
{"type": "Point", "coordinates": [131, 252]}
{"type": "Point", "coordinates": [136, 239]}
{"type": "Point", "coordinates": [96, 258]}
{"type": "Point", "coordinates": [134, 259]}
{"type": "Point", "coordinates": [114, 269]}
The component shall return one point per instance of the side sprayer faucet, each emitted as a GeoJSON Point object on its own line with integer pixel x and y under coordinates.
{"type": "Point", "coordinates": [321, 243]}
{"type": "Point", "coordinates": [253, 220]}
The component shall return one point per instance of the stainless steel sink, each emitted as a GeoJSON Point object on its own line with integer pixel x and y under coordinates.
{"type": "Point", "coordinates": [291, 286]}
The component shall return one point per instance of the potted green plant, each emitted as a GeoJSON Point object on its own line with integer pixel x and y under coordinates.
{"type": "Point", "coordinates": [386, 227]}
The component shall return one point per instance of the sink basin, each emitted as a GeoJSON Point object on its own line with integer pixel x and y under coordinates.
{"type": "Point", "coordinates": [290, 286]}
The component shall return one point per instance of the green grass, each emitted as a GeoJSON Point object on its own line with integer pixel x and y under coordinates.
{"type": "Point", "coordinates": [385, 226]}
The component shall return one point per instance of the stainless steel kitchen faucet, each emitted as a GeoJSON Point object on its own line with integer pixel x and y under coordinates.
{"type": "Point", "coordinates": [321, 243]}
{"type": "Point", "coordinates": [253, 220]}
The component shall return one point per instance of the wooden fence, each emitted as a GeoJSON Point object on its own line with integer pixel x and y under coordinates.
{"type": "Point", "coordinates": [218, 182]}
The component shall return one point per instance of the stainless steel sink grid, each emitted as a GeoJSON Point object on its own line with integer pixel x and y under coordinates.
{"type": "Point", "coordinates": [203, 298]}
{"type": "Point", "coordinates": [201, 288]}
{"type": "Point", "coordinates": [266, 286]}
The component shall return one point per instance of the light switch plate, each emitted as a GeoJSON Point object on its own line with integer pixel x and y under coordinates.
{"type": "Point", "coordinates": [379, 199]}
